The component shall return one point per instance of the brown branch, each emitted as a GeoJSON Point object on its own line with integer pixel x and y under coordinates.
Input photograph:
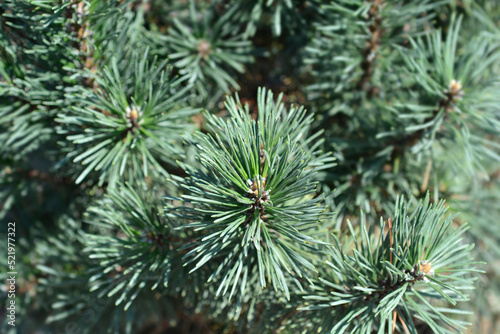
{"type": "Point", "coordinates": [370, 51]}
{"type": "Point", "coordinates": [391, 241]}
{"type": "Point", "coordinates": [426, 176]}
{"type": "Point", "coordinates": [28, 174]}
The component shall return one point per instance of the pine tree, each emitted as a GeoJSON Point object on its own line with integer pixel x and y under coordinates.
{"type": "Point", "coordinates": [286, 166]}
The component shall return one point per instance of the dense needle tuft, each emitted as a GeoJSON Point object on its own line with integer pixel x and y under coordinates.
{"type": "Point", "coordinates": [253, 201]}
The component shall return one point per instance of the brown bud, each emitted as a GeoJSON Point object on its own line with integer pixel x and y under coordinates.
{"type": "Point", "coordinates": [204, 49]}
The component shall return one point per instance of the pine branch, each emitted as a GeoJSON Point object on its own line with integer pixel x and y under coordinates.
{"type": "Point", "coordinates": [461, 87]}
{"type": "Point", "coordinates": [252, 203]}
{"type": "Point", "coordinates": [206, 51]}
{"type": "Point", "coordinates": [141, 253]}
{"type": "Point", "coordinates": [127, 124]}
{"type": "Point", "coordinates": [361, 288]}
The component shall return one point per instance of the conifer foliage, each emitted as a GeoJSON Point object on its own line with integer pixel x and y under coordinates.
{"type": "Point", "coordinates": [386, 277]}
{"type": "Point", "coordinates": [236, 166]}
{"type": "Point", "coordinates": [254, 195]}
